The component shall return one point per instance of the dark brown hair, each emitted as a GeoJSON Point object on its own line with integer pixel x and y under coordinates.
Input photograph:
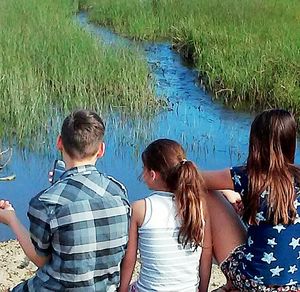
{"type": "Point", "coordinates": [183, 179]}
{"type": "Point", "coordinates": [270, 166]}
{"type": "Point", "coordinates": [82, 132]}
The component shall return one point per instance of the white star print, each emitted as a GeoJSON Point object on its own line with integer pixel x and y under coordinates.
{"type": "Point", "coordinates": [272, 242]}
{"type": "Point", "coordinates": [297, 219]}
{"type": "Point", "coordinates": [292, 282]}
{"type": "Point", "coordinates": [236, 179]}
{"type": "Point", "coordinates": [249, 256]}
{"type": "Point", "coordinates": [258, 279]}
{"type": "Point", "coordinates": [298, 258]}
{"type": "Point", "coordinates": [260, 217]}
{"type": "Point", "coordinates": [279, 227]}
{"type": "Point", "coordinates": [268, 257]}
{"type": "Point", "coordinates": [295, 242]}
{"type": "Point", "coordinates": [293, 269]}
{"type": "Point", "coordinates": [264, 193]}
{"type": "Point", "coordinates": [276, 271]}
{"type": "Point", "coordinates": [296, 204]}
{"type": "Point", "coordinates": [250, 241]}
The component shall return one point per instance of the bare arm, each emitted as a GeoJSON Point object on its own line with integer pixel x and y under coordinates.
{"type": "Point", "coordinates": [128, 262]}
{"type": "Point", "coordinates": [8, 217]}
{"type": "Point", "coordinates": [206, 257]}
{"type": "Point", "coordinates": [218, 179]}
{"type": "Point", "coordinates": [221, 180]}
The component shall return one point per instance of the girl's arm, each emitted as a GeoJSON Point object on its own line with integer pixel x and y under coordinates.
{"type": "Point", "coordinates": [221, 180]}
{"type": "Point", "coordinates": [128, 262]}
{"type": "Point", "coordinates": [218, 179]}
{"type": "Point", "coordinates": [206, 257]}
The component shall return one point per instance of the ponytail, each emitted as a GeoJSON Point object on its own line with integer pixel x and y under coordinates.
{"type": "Point", "coordinates": [187, 184]}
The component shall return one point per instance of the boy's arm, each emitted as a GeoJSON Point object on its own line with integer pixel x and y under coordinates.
{"type": "Point", "coordinates": [128, 262]}
{"type": "Point", "coordinates": [8, 217]}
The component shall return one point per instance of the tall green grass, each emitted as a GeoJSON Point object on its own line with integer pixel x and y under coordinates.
{"type": "Point", "coordinates": [247, 52]}
{"type": "Point", "coordinates": [49, 66]}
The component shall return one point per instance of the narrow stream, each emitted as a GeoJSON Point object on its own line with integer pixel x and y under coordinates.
{"type": "Point", "coordinates": [214, 136]}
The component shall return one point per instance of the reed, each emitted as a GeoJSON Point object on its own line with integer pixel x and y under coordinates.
{"type": "Point", "coordinates": [49, 66]}
{"type": "Point", "coordinates": [247, 52]}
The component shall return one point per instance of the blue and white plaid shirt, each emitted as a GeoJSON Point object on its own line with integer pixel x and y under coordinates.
{"type": "Point", "coordinates": [81, 222]}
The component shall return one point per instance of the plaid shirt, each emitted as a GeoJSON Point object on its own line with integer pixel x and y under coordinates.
{"type": "Point", "coordinates": [82, 223]}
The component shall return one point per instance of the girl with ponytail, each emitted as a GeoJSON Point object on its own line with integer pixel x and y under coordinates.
{"type": "Point", "coordinates": [171, 227]}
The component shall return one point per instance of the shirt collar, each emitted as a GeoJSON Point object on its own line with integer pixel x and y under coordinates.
{"type": "Point", "coordinates": [163, 193]}
{"type": "Point", "coordinates": [82, 169]}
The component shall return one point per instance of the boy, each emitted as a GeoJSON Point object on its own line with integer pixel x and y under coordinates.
{"type": "Point", "coordinates": [79, 225]}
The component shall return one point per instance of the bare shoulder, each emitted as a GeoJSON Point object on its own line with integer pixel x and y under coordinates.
{"type": "Point", "coordinates": [138, 211]}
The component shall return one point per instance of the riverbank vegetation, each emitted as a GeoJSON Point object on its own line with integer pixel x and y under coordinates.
{"type": "Point", "coordinates": [49, 65]}
{"type": "Point", "coordinates": [247, 52]}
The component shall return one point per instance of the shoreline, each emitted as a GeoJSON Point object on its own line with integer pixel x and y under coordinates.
{"type": "Point", "coordinates": [15, 267]}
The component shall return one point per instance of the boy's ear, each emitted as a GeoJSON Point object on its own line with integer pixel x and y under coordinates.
{"type": "Point", "coordinates": [59, 144]}
{"type": "Point", "coordinates": [101, 150]}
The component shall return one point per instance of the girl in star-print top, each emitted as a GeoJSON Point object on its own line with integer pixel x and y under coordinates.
{"type": "Point", "coordinates": [268, 184]}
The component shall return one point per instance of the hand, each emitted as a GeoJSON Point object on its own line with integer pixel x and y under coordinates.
{"type": "Point", "coordinates": [231, 196]}
{"type": "Point", "coordinates": [7, 212]}
{"type": "Point", "coordinates": [238, 206]}
{"type": "Point", "coordinates": [50, 176]}
{"type": "Point", "coordinates": [235, 200]}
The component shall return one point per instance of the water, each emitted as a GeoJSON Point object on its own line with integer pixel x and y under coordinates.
{"type": "Point", "coordinates": [214, 136]}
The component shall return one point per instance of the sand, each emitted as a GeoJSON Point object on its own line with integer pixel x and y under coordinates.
{"type": "Point", "coordinates": [15, 267]}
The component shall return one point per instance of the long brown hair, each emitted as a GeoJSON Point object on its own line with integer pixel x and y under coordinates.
{"type": "Point", "coordinates": [270, 166]}
{"type": "Point", "coordinates": [184, 180]}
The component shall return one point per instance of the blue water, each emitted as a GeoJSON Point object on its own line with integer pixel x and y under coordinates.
{"type": "Point", "coordinates": [214, 136]}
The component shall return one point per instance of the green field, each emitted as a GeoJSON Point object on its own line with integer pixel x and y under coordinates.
{"type": "Point", "coordinates": [247, 52]}
{"type": "Point", "coordinates": [49, 66]}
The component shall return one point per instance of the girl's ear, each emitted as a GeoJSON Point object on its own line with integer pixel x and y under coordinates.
{"type": "Point", "coordinates": [153, 175]}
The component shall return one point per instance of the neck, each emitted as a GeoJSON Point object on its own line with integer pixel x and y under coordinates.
{"type": "Point", "coordinates": [162, 190]}
{"type": "Point", "coordinates": [70, 162]}
{"type": "Point", "coordinates": [160, 186]}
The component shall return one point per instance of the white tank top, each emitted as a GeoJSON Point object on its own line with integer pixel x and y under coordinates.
{"type": "Point", "coordinates": [165, 264]}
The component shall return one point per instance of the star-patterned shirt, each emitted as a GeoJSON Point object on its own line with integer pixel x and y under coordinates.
{"type": "Point", "coordinates": [272, 255]}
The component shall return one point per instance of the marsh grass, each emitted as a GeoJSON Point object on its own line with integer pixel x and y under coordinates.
{"type": "Point", "coordinates": [247, 52]}
{"type": "Point", "coordinates": [49, 66]}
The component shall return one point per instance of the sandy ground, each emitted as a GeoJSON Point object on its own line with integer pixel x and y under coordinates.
{"type": "Point", "coordinates": [15, 267]}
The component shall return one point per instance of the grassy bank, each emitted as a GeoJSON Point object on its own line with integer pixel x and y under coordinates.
{"type": "Point", "coordinates": [247, 52]}
{"type": "Point", "coordinates": [49, 65]}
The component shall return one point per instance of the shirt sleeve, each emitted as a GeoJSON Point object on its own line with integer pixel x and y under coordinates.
{"type": "Point", "coordinates": [240, 180]}
{"type": "Point", "coordinates": [39, 226]}
{"type": "Point", "coordinates": [118, 189]}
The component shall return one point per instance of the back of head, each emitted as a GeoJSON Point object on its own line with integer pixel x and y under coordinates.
{"type": "Point", "coordinates": [181, 177]}
{"type": "Point", "coordinates": [82, 132]}
{"type": "Point", "coordinates": [270, 164]}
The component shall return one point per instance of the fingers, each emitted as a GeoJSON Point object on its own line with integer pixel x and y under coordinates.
{"type": "Point", "coordinates": [6, 205]}
{"type": "Point", "coordinates": [50, 176]}
{"type": "Point", "coordinates": [3, 203]}
{"type": "Point", "coordinates": [238, 207]}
